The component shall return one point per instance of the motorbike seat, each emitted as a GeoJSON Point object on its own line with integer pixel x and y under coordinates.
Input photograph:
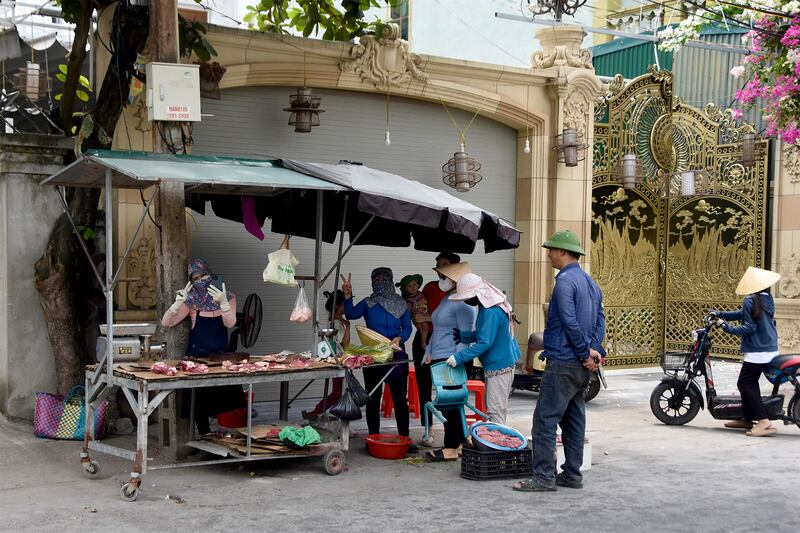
{"type": "Point", "coordinates": [786, 362]}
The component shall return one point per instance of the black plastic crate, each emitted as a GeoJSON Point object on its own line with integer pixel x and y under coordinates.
{"type": "Point", "coordinates": [481, 466]}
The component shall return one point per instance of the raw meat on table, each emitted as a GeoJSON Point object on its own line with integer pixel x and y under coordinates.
{"type": "Point", "coordinates": [163, 368]}
{"type": "Point", "coordinates": [193, 368]}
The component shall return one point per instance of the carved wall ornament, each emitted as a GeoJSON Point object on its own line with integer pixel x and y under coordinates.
{"type": "Point", "coordinates": [385, 61]}
{"type": "Point", "coordinates": [791, 160]}
{"type": "Point", "coordinates": [562, 56]}
{"type": "Point", "coordinates": [789, 285]}
{"type": "Point", "coordinates": [788, 333]}
{"type": "Point", "coordinates": [142, 266]}
{"type": "Point", "coordinates": [576, 111]}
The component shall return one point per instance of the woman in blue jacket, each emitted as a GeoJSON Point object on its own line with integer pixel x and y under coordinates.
{"type": "Point", "coordinates": [759, 345]}
{"type": "Point", "coordinates": [385, 312]}
{"type": "Point", "coordinates": [492, 342]}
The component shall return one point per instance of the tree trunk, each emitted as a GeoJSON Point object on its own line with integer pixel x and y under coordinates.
{"type": "Point", "coordinates": [68, 290]}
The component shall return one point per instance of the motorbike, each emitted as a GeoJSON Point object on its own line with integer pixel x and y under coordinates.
{"type": "Point", "coordinates": [678, 398]}
{"type": "Point", "coordinates": [528, 378]}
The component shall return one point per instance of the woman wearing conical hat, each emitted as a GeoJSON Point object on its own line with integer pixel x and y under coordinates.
{"type": "Point", "coordinates": [759, 345]}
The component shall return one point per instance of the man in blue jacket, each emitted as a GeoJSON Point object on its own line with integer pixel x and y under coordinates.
{"type": "Point", "coordinates": [573, 347]}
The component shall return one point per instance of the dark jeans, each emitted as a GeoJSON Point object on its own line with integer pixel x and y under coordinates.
{"type": "Point", "coordinates": [398, 388]}
{"type": "Point", "coordinates": [560, 403]}
{"type": "Point", "coordinates": [423, 371]}
{"type": "Point", "coordinates": [748, 386]}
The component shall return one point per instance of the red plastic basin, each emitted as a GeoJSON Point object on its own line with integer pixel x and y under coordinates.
{"type": "Point", "coordinates": [387, 445]}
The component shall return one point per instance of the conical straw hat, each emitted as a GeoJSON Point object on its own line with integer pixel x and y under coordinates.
{"type": "Point", "coordinates": [756, 280]}
{"type": "Point", "coordinates": [454, 271]}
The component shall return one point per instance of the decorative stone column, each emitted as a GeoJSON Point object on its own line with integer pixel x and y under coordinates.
{"type": "Point", "coordinates": [785, 240]}
{"type": "Point", "coordinates": [27, 213]}
{"type": "Point", "coordinates": [556, 197]}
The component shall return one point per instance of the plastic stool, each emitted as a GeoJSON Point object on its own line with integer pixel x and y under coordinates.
{"type": "Point", "coordinates": [387, 404]}
{"type": "Point", "coordinates": [479, 388]}
{"type": "Point", "coordinates": [236, 418]}
{"type": "Point", "coordinates": [413, 392]}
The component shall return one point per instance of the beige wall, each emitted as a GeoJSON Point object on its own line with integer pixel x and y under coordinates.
{"type": "Point", "coordinates": [785, 240]}
{"type": "Point", "coordinates": [559, 89]}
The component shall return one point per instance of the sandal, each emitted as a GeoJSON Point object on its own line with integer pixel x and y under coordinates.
{"type": "Point", "coordinates": [739, 424]}
{"type": "Point", "coordinates": [761, 432]}
{"type": "Point", "coordinates": [531, 485]}
{"type": "Point", "coordinates": [437, 456]}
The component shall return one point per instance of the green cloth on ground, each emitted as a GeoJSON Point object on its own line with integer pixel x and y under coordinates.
{"type": "Point", "coordinates": [300, 437]}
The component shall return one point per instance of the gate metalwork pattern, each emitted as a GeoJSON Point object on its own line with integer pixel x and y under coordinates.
{"type": "Point", "coordinates": [663, 259]}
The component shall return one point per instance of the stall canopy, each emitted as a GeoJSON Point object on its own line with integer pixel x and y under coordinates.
{"type": "Point", "coordinates": [380, 208]}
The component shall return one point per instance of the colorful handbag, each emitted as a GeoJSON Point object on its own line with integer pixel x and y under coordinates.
{"type": "Point", "coordinates": [64, 417]}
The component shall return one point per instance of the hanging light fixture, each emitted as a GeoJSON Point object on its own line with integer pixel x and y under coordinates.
{"type": "Point", "coordinates": [461, 172]}
{"type": "Point", "coordinates": [570, 148]}
{"type": "Point", "coordinates": [630, 171]}
{"type": "Point", "coordinates": [304, 109]}
{"type": "Point", "coordinates": [687, 182]}
{"type": "Point", "coordinates": [751, 149]}
{"type": "Point", "coordinates": [527, 148]}
{"type": "Point", "coordinates": [304, 106]}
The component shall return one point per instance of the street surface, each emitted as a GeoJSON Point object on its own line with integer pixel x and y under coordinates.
{"type": "Point", "coordinates": [645, 476]}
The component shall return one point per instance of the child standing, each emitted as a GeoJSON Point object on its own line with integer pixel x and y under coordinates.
{"type": "Point", "coordinates": [417, 305]}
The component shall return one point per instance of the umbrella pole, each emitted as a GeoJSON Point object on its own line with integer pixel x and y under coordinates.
{"type": "Point", "coordinates": [317, 269]}
{"type": "Point", "coordinates": [338, 264]}
{"type": "Point", "coordinates": [349, 246]}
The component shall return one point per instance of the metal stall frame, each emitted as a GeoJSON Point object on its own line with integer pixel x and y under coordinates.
{"type": "Point", "coordinates": [434, 214]}
{"type": "Point", "coordinates": [103, 378]}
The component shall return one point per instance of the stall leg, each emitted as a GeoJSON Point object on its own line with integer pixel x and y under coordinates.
{"type": "Point", "coordinates": [92, 468]}
{"type": "Point", "coordinates": [284, 404]}
{"type": "Point", "coordinates": [130, 490]}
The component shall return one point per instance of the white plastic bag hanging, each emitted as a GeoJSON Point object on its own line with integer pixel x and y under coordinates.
{"type": "Point", "coordinates": [281, 267]}
{"type": "Point", "coordinates": [301, 311]}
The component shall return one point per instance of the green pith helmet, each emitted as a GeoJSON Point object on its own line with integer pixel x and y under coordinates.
{"type": "Point", "coordinates": [564, 240]}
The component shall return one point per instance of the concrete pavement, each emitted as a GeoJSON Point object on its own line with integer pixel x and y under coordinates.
{"type": "Point", "coordinates": [645, 476]}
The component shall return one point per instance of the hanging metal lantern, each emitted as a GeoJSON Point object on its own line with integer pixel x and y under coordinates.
{"type": "Point", "coordinates": [630, 171]}
{"type": "Point", "coordinates": [687, 183]}
{"type": "Point", "coordinates": [304, 109]}
{"type": "Point", "coordinates": [461, 171]}
{"type": "Point", "coordinates": [570, 148]}
{"type": "Point", "coordinates": [751, 149]}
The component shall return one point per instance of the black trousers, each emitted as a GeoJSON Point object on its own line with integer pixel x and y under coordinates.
{"type": "Point", "coordinates": [748, 386]}
{"type": "Point", "coordinates": [398, 388]}
{"type": "Point", "coordinates": [453, 430]}
{"type": "Point", "coordinates": [423, 371]}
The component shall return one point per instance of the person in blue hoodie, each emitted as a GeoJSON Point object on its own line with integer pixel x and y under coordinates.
{"type": "Point", "coordinates": [759, 345]}
{"type": "Point", "coordinates": [492, 341]}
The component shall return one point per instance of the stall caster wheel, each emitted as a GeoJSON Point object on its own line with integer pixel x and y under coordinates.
{"type": "Point", "coordinates": [92, 468]}
{"type": "Point", "coordinates": [334, 462]}
{"type": "Point", "coordinates": [129, 492]}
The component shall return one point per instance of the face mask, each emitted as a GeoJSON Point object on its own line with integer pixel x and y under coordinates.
{"type": "Point", "coordinates": [201, 284]}
{"type": "Point", "coordinates": [446, 284]}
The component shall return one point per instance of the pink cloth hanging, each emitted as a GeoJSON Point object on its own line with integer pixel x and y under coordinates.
{"type": "Point", "coordinates": [250, 219]}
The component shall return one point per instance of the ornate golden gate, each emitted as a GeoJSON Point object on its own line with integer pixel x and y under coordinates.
{"type": "Point", "coordinates": [662, 259]}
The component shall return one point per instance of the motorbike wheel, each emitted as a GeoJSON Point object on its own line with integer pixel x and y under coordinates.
{"type": "Point", "coordinates": [592, 389]}
{"type": "Point", "coordinates": [663, 403]}
{"type": "Point", "coordinates": [794, 409]}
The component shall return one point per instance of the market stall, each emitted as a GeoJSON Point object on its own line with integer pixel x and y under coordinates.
{"type": "Point", "coordinates": [372, 206]}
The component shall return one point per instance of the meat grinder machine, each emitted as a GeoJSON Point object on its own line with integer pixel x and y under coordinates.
{"type": "Point", "coordinates": [131, 342]}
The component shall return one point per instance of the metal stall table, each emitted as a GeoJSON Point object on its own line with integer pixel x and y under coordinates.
{"type": "Point", "coordinates": [138, 389]}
